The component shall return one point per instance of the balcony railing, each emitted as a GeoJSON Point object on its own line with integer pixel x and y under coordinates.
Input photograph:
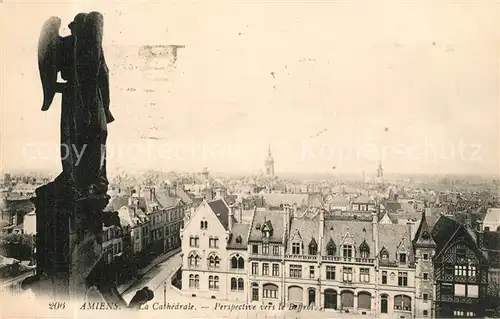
{"type": "Point", "coordinates": [302, 257]}
{"type": "Point", "coordinates": [458, 299]}
{"type": "Point", "coordinates": [265, 256]}
{"type": "Point", "coordinates": [348, 259]}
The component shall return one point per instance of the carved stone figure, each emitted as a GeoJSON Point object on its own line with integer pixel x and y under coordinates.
{"type": "Point", "coordinates": [85, 99]}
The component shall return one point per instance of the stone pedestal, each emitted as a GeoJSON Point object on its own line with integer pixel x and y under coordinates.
{"type": "Point", "coordinates": [69, 243]}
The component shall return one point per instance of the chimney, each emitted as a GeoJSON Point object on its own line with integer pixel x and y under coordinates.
{"type": "Point", "coordinates": [480, 233]}
{"type": "Point", "coordinates": [294, 210]}
{"type": "Point", "coordinates": [321, 229]}
{"type": "Point", "coordinates": [231, 216]}
{"type": "Point", "coordinates": [151, 194]}
{"type": "Point", "coordinates": [241, 213]}
{"type": "Point", "coordinates": [375, 231]}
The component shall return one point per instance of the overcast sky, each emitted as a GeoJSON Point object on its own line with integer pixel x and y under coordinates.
{"type": "Point", "coordinates": [327, 85]}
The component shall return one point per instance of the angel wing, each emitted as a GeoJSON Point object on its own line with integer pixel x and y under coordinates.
{"type": "Point", "coordinates": [47, 59]}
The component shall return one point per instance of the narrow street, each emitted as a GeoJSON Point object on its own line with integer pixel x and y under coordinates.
{"type": "Point", "coordinates": [154, 279]}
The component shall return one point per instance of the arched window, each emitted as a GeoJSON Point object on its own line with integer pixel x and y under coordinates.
{"type": "Point", "coordinates": [241, 284]}
{"type": "Point", "coordinates": [237, 262]}
{"type": "Point", "coordinates": [233, 284]}
{"type": "Point", "coordinates": [194, 260]}
{"type": "Point", "coordinates": [197, 281]}
{"type": "Point", "coordinates": [384, 254]}
{"type": "Point", "coordinates": [402, 302]}
{"type": "Point", "coordinates": [191, 282]}
{"type": "Point", "coordinates": [213, 261]}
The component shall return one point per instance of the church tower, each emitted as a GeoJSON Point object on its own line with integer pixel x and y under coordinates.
{"type": "Point", "coordinates": [269, 164]}
{"type": "Point", "coordinates": [380, 173]}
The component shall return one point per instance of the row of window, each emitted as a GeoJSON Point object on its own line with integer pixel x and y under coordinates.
{"type": "Point", "coordinates": [166, 217]}
{"type": "Point", "coordinates": [194, 241]}
{"type": "Point", "coordinates": [460, 290]}
{"type": "Point", "coordinates": [265, 269]}
{"type": "Point", "coordinates": [237, 284]}
{"type": "Point", "coordinates": [265, 249]}
{"type": "Point", "coordinates": [237, 262]}
{"type": "Point", "coordinates": [348, 251]}
{"type": "Point", "coordinates": [213, 282]}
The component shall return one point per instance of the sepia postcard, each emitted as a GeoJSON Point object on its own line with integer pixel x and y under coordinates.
{"type": "Point", "coordinates": [249, 159]}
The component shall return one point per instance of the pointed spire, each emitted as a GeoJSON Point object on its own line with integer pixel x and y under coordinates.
{"type": "Point", "coordinates": [423, 237]}
{"type": "Point", "coordinates": [269, 150]}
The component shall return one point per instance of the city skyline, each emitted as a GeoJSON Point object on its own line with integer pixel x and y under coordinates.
{"type": "Point", "coordinates": [248, 77]}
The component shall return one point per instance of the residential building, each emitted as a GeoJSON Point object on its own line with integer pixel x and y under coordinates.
{"type": "Point", "coordinates": [491, 221]}
{"type": "Point", "coordinates": [337, 262]}
{"type": "Point", "coordinates": [461, 271]}
{"type": "Point", "coordinates": [214, 253]}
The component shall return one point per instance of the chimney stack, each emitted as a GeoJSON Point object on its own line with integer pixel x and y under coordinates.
{"type": "Point", "coordinates": [375, 231]}
{"type": "Point", "coordinates": [241, 213]}
{"type": "Point", "coordinates": [480, 233]}
{"type": "Point", "coordinates": [231, 217]}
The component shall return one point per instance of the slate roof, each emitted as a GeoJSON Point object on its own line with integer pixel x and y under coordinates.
{"type": "Point", "coordinates": [275, 199]}
{"type": "Point", "coordinates": [359, 230]}
{"type": "Point", "coordinates": [391, 236]}
{"type": "Point", "coordinates": [338, 201]}
{"type": "Point", "coordinates": [240, 231]}
{"type": "Point", "coordinates": [363, 199]}
{"type": "Point", "coordinates": [221, 211]}
{"type": "Point", "coordinates": [116, 202]}
{"type": "Point", "coordinates": [276, 218]}
{"type": "Point", "coordinates": [184, 196]}
{"type": "Point", "coordinates": [392, 206]}
{"type": "Point", "coordinates": [447, 228]}
{"type": "Point", "coordinates": [164, 200]}
{"type": "Point", "coordinates": [306, 229]}
{"type": "Point", "coordinates": [423, 236]}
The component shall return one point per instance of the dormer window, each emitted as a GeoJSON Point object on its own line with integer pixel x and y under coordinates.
{"type": "Point", "coordinates": [296, 248]}
{"type": "Point", "coordinates": [347, 251]}
{"type": "Point", "coordinates": [364, 249]}
{"type": "Point", "coordinates": [384, 255]}
{"type": "Point", "coordinates": [267, 234]}
{"type": "Point", "coordinates": [313, 247]}
{"type": "Point", "coordinates": [425, 235]}
{"type": "Point", "coordinates": [331, 249]}
{"type": "Point", "coordinates": [402, 258]}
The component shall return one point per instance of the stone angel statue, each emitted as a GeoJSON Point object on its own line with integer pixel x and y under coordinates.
{"type": "Point", "coordinates": [85, 113]}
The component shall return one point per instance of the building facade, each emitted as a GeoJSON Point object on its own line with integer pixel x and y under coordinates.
{"type": "Point", "coordinates": [343, 263]}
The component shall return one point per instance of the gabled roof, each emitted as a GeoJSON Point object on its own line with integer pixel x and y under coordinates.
{"type": "Point", "coordinates": [238, 237]}
{"type": "Point", "coordinates": [446, 230]}
{"type": "Point", "coordinates": [221, 210]}
{"type": "Point", "coordinates": [277, 219]}
{"type": "Point", "coordinates": [184, 196]}
{"type": "Point", "coordinates": [164, 200]}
